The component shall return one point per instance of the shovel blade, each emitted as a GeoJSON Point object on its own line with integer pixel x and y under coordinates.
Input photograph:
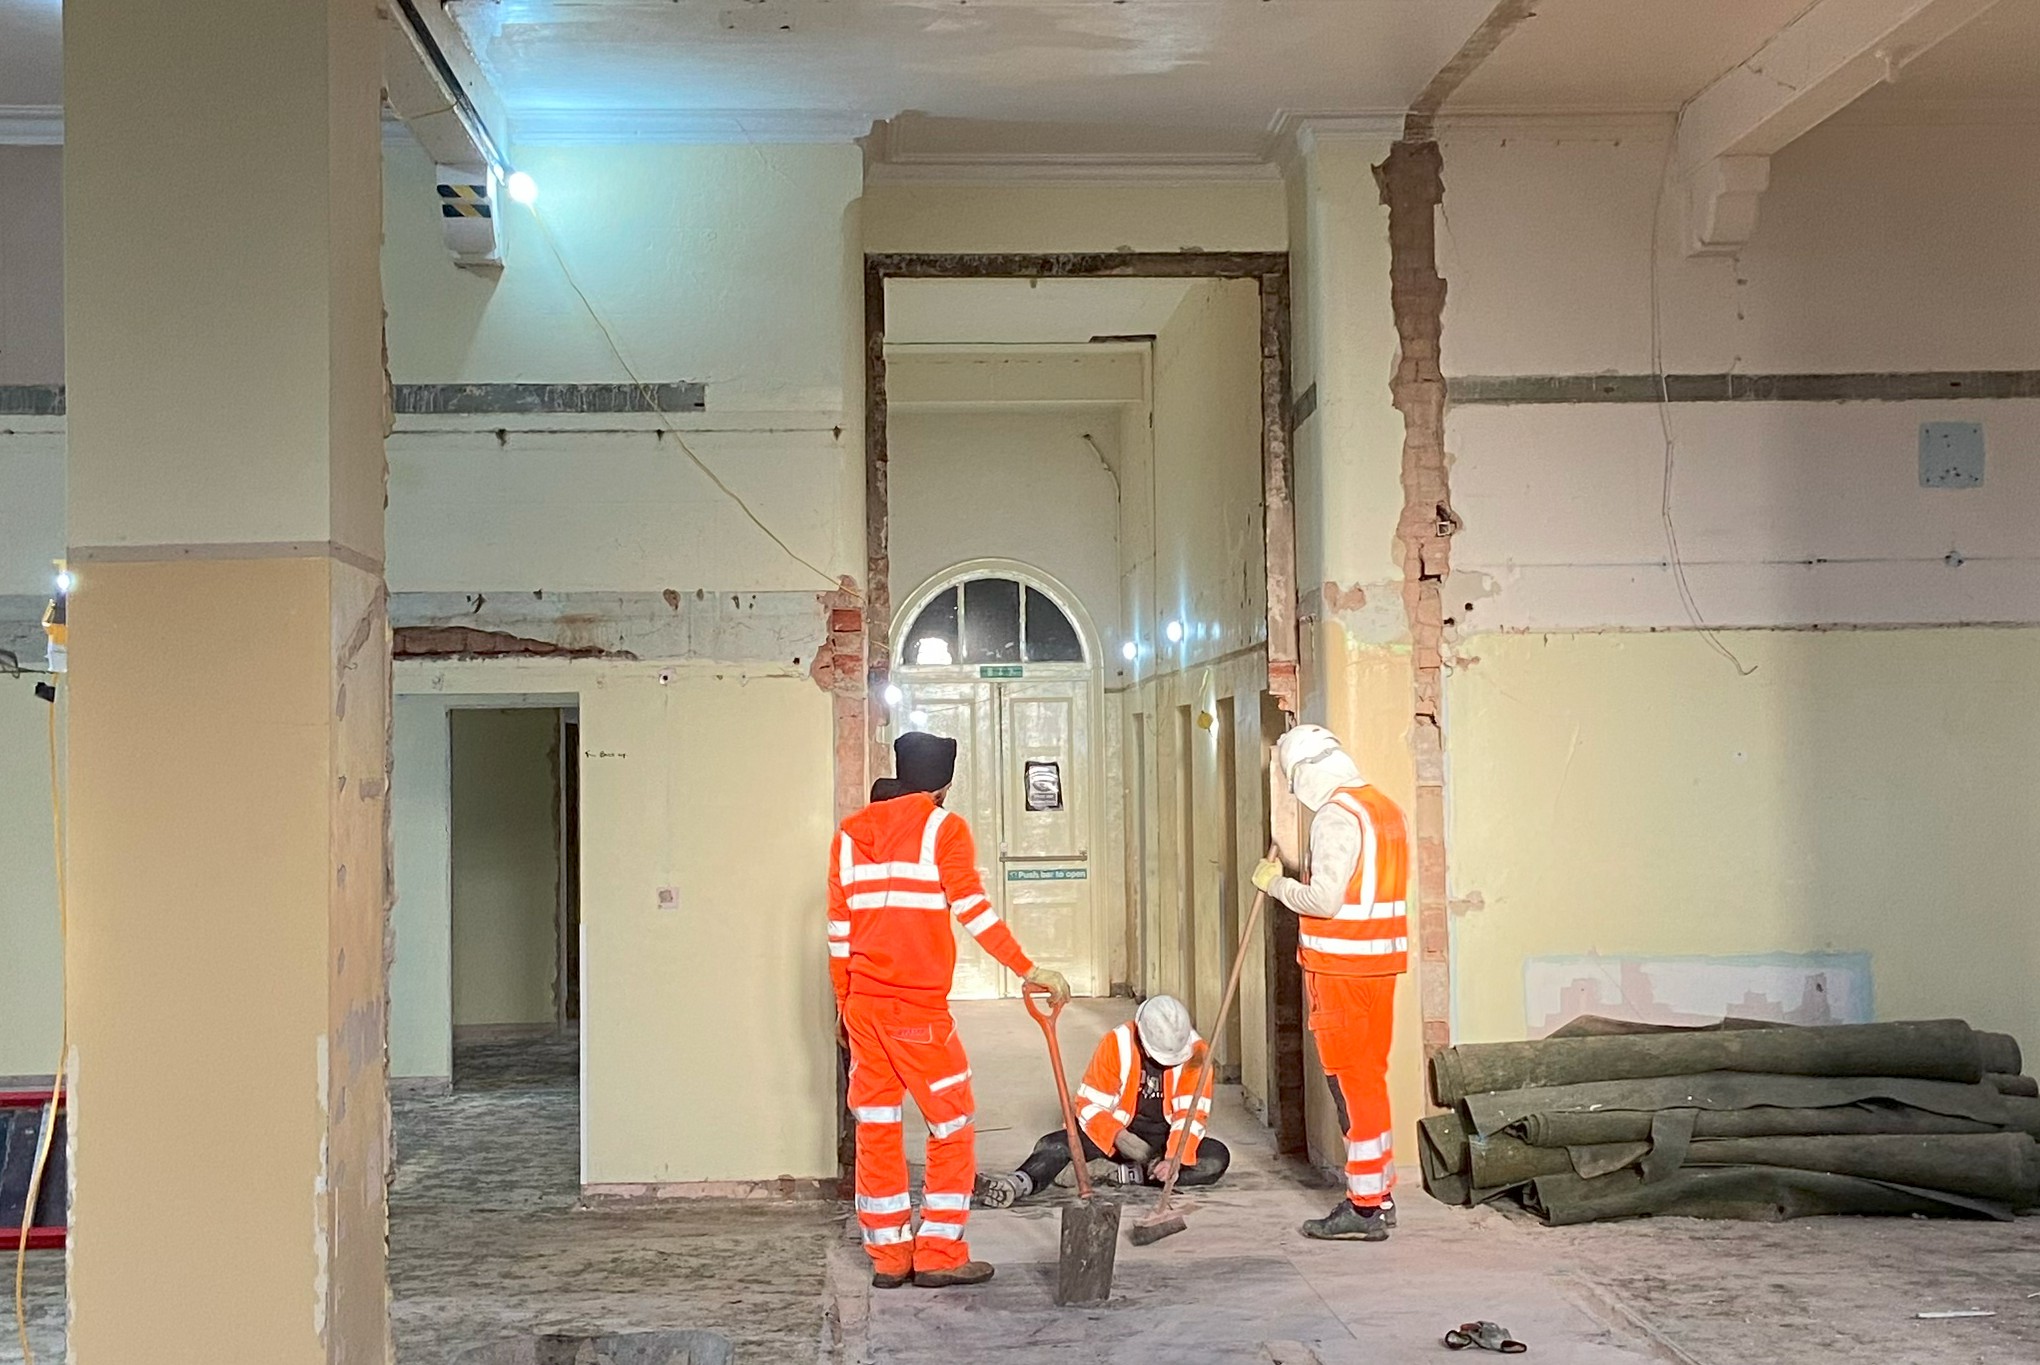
{"type": "Point", "coordinates": [1090, 1241]}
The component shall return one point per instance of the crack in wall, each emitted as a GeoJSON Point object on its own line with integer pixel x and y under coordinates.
{"type": "Point", "coordinates": [1412, 187]}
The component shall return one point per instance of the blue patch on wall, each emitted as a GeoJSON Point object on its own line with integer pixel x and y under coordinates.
{"type": "Point", "coordinates": [1789, 988]}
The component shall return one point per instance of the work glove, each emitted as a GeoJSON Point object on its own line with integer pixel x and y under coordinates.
{"type": "Point", "coordinates": [1265, 874]}
{"type": "Point", "coordinates": [1052, 981]}
{"type": "Point", "coordinates": [1133, 1148]}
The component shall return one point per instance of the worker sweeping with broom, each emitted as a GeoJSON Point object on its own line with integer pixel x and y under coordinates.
{"type": "Point", "coordinates": [1353, 941]}
{"type": "Point", "coordinates": [898, 870]}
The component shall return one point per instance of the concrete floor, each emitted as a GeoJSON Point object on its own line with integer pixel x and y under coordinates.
{"type": "Point", "coordinates": [487, 1242]}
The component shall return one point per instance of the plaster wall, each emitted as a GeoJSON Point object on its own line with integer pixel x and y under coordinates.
{"type": "Point", "coordinates": [505, 864]}
{"type": "Point", "coordinates": [965, 216]}
{"type": "Point", "coordinates": [31, 265]}
{"type": "Point", "coordinates": [421, 970]}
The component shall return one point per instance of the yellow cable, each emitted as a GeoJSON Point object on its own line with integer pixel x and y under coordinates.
{"type": "Point", "coordinates": [49, 1125]}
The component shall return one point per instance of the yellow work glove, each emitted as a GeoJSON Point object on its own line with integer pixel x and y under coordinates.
{"type": "Point", "coordinates": [1266, 873]}
{"type": "Point", "coordinates": [1052, 981]}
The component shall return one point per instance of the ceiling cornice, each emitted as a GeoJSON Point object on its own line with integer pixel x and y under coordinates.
{"type": "Point", "coordinates": [1049, 167]}
{"type": "Point", "coordinates": [608, 127]}
{"type": "Point", "coordinates": [31, 125]}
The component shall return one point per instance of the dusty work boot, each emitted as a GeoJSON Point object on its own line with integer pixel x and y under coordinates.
{"type": "Point", "coordinates": [885, 1279]}
{"type": "Point", "coordinates": [1348, 1224]}
{"type": "Point", "coordinates": [1001, 1191]}
{"type": "Point", "coordinates": [973, 1272]}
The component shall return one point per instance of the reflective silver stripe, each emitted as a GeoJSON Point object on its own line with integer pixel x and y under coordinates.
{"type": "Point", "coordinates": [901, 872]}
{"type": "Point", "coordinates": [1365, 1185]}
{"type": "Point", "coordinates": [958, 1203]}
{"type": "Point", "coordinates": [839, 949]}
{"type": "Point", "coordinates": [839, 928]}
{"type": "Point", "coordinates": [943, 1130]}
{"type": "Point", "coordinates": [883, 1203]}
{"type": "Point", "coordinates": [945, 1232]}
{"type": "Point", "coordinates": [1352, 947]}
{"type": "Point", "coordinates": [1098, 1097]}
{"type": "Point", "coordinates": [1086, 1112]}
{"type": "Point", "coordinates": [845, 862]}
{"type": "Point", "coordinates": [885, 1237]}
{"type": "Point", "coordinates": [947, 1081]}
{"type": "Point", "coordinates": [1367, 1149]}
{"type": "Point", "coordinates": [981, 923]}
{"type": "Point", "coordinates": [899, 900]}
{"type": "Point", "coordinates": [935, 819]}
{"type": "Point", "coordinates": [1379, 910]}
{"type": "Point", "coordinates": [968, 903]}
{"type": "Point", "coordinates": [879, 1113]}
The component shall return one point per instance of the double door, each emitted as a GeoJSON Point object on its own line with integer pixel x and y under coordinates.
{"type": "Point", "coordinates": [1023, 778]}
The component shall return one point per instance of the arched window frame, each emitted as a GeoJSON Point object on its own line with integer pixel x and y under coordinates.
{"type": "Point", "coordinates": [1028, 577]}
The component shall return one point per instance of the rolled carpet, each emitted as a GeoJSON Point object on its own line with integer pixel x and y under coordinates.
{"type": "Point", "coordinates": [2001, 1053]}
{"type": "Point", "coordinates": [1766, 1194]}
{"type": "Point", "coordinates": [1941, 1049]}
{"type": "Point", "coordinates": [1633, 1125]}
{"type": "Point", "coordinates": [1490, 1113]}
{"type": "Point", "coordinates": [2024, 1086]}
{"type": "Point", "coordinates": [2003, 1168]}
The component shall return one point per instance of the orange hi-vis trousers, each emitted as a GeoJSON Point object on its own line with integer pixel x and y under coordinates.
{"type": "Point", "coordinates": [898, 1048]}
{"type": "Point", "coordinates": [1352, 1018]}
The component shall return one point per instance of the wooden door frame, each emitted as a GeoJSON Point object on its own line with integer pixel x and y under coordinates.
{"type": "Point", "coordinates": [859, 753]}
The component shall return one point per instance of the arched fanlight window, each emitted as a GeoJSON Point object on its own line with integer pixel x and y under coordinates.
{"type": "Point", "coordinates": [992, 621]}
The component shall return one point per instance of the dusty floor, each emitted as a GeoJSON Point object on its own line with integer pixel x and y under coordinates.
{"type": "Point", "coordinates": [486, 1242]}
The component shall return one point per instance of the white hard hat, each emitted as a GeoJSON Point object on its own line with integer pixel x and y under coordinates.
{"type": "Point", "coordinates": [1165, 1031]}
{"type": "Point", "coordinates": [1315, 764]}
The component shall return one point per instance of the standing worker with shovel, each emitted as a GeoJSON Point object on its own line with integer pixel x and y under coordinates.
{"type": "Point", "coordinates": [898, 869]}
{"type": "Point", "coordinates": [1353, 939]}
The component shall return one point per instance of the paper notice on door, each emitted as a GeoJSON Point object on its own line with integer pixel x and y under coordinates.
{"type": "Point", "coordinates": [1044, 785]}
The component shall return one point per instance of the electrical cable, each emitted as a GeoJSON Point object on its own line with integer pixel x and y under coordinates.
{"type": "Point", "coordinates": [1664, 410]}
{"type": "Point", "coordinates": [49, 1124]}
{"type": "Point", "coordinates": [651, 397]}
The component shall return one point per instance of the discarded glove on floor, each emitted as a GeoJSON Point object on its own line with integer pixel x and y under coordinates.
{"type": "Point", "coordinates": [1746, 1120]}
{"type": "Point", "coordinates": [1484, 1336]}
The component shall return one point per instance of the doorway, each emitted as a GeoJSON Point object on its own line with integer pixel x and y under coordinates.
{"type": "Point", "coordinates": [998, 664]}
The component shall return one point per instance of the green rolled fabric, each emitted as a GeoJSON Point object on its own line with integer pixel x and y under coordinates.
{"type": "Point", "coordinates": [2024, 1086]}
{"type": "Point", "coordinates": [1941, 1049]}
{"type": "Point", "coordinates": [1501, 1162]}
{"type": "Point", "coordinates": [1633, 1125]}
{"type": "Point", "coordinates": [2001, 1167]}
{"type": "Point", "coordinates": [1766, 1194]}
{"type": "Point", "coordinates": [2022, 1114]}
{"type": "Point", "coordinates": [1600, 1026]}
{"type": "Point", "coordinates": [1491, 1113]}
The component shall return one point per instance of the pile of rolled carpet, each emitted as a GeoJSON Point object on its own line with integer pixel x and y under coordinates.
{"type": "Point", "coordinates": [1741, 1119]}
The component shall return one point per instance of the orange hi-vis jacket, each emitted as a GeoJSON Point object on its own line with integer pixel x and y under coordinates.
{"type": "Point", "coordinates": [1111, 1089]}
{"type": "Point", "coordinates": [899, 870]}
{"type": "Point", "coordinates": [1370, 935]}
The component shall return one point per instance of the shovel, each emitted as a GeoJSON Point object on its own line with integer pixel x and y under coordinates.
{"type": "Point", "coordinates": [1090, 1227]}
{"type": "Point", "coordinates": [1168, 1218]}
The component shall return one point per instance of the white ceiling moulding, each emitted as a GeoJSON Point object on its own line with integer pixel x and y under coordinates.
{"type": "Point", "coordinates": [31, 125]}
{"type": "Point", "coordinates": [585, 127]}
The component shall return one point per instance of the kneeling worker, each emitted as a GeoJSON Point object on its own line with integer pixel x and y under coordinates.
{"type": "Point", "coordinates": [898, 870]}
{"type": "Point", "coordinates": [1140, 1088]}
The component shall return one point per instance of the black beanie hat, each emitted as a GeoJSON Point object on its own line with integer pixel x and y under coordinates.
{"type": "Point", "coordinates": [924, 762]}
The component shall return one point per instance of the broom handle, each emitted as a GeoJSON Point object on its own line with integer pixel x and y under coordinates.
{"type": "Point", "coordinates": [1208, 1073]}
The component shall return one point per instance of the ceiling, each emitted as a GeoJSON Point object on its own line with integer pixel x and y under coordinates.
{"type": "Point", "coordinates": [1992, 62]}
{"type": "Point", "coordinates": [1619, 55]}
{"type": "Point", "coordinates": [965, 312]}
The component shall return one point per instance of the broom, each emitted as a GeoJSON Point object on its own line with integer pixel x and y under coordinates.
{"type": "Point", "coordinates": [1167, 1221]}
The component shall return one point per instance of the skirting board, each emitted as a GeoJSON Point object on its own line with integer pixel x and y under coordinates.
{"type": "Point", "coordinates": [420, 1087]}
{"type": "Point", "coordinates": [784, 1188]}
{"type": "Point", "coordinates": [504, 1033]}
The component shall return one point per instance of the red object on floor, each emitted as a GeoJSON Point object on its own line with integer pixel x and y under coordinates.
{"type": "Point", "coordinates": [41, 1237]}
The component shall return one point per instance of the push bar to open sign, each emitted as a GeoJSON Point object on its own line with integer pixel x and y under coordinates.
{"type": "Point", "coordinates": [1047, 874]}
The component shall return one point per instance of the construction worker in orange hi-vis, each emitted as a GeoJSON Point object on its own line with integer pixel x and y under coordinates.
{"type": "Point", "coordinates": [1353, 941]}
{"type": "Point", "coordinates": [898, 870]}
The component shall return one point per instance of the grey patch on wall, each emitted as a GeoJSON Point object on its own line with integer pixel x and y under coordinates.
{"type": "Point", "coordinates": [1304, 408]}
{"type": "Point", "coordinates": [1791, 988]}
{"type": "Point", "coordinates": [783, 628]}
{"type": "Point", "coordinates": [31, 400]}
{"type": "Point", "coordinates": [412, 400]}
{"type": "Point", "coordinates": [21, 632]}
{"type": "Point", "coordinates": [1864, 387]}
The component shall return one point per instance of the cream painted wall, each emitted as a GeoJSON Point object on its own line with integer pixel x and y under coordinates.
{"type": "Point", "coordinates": [421, 811]}
{"type": "Point", "coordinates": [716, 783]}
{"type": "Point", "coordinates": [31, 507]}
{"type": "Point", "coordinates": [31, 266]}
{"type": "Point", "coordinates": [1020, 485]}
{"type": "Point", "coordinates": [1859, 792]}
{"type": "Point", "coordinates": [1049, 216]}
{"type": "Point", "coordinates": [506, 865]}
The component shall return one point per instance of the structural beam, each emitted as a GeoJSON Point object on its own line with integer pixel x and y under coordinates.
{"type": "Point", "coordinates": [1810, 70]}
{"type": "Point", "coordinates": [432, 85]}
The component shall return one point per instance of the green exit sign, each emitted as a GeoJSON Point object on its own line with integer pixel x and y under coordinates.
{"type": "Point", "coordinates": [1002, 671]}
